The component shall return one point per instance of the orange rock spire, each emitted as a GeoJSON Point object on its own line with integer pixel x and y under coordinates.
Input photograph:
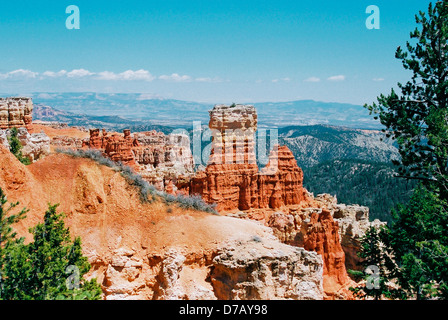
{"type": "Point", "coordinates": [232, 179]}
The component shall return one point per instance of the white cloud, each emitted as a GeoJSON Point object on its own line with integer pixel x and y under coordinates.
{"type": "Point", "coordinates": [337, 78]}
{"type": "Point", "coordinates": [19, 73]}
{"type": "Point", "coordinates": [312, 79]}
{"type": "Point", "coordinates": [136, 75]}
{"type": "Point", "coordinates": [282, 79]}
{"type": "Point", "coordinates": [207, 79]}
{"type": "Point", "coordinates": [378, 79]}
{"type": "Point", "coordinates": [128, 75]}
{"type": "Point", "coordinates": [79, 73]}
{"type": "Point", "coordinates": [175, 77]}
{"type": "Point", "coordinates": [107, 75]}
{"type": "Point", "coordinates": [104, 75]}
{"type": "Point", "coordinates": [52, 74]}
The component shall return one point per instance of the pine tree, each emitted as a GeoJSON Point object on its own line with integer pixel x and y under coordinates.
{"type": "Point", "coordinates": [8, 238]}
{"type": "Point", "coordinates": [379, 267]}
{"type": "Point", "coordinates": [419, 241]}
{"type": "Point", "coordinates": [54, 258]}
{"type": "Point", "coordinates": [418, 118]}
{"type": "Point", "coordinates": [50, 267]}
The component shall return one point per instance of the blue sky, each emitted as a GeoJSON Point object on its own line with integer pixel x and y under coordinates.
{"type": "Point", "coordinates": [211, 51]}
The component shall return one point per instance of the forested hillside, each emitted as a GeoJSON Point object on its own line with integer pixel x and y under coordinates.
{"type": "Point", "coordinates": [371, 184]}
{"type": "Point", "coordinates": [313, 145]}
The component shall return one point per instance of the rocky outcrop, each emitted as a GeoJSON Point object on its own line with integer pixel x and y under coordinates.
{"type": "Point", "coordinates": [274, 196]}
{"type": "Point", "coordinates": [4, 139]}
{"type": "Point", "coordinates": [35, 146]}
{"type": "Point", "coordinates": [160, 159]}
{"type": "Point", "coordinates": [157, 150]}
{"type": "Point", "coordinates": [67, 142]}
{"type": "Point", "coordinates": [353, 223]}
{"type": "Point", "coordinates": [119, 149]}
{"type": "Point", "coordinates": [255, 270]}
{"type": "Point", "coordinates": [16, 112]}
{"type": "Point", "coordinates": [114, 146]}
{"type": "Point", "coordinates": [321, 235]}
{"type": "Point", "coordinates": [245, 269]}
{"type": "Point", "coordinates": [315, 229]}
{"type": "Point", "coordinates": [165, 160]}
{"type": "Point", "coordinates": [232, 179]}
{"type": "Point", "coordinates": [334, 230]}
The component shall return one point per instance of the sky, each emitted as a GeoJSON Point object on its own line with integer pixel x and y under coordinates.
{"type": "Point", "coordinates": [207, 51]}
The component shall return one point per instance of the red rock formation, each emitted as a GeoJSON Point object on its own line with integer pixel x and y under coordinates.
{"type": "Point", "coordinates": [321, 235]}
{"type": "Point", "coordinates": [315, 229]}
{"type": "Point", "coordinates": [119, 149]}
{"type": "Point", "coordinates": [116, 147]}
{"type": "Point", "coordinates": [160, 159]}
{"type": "Point", "coordinates": [232, 180]}
{"type": "Point", "coordinates": [242, 187]}
{"type": "Point", "coordinates": [94, 142]}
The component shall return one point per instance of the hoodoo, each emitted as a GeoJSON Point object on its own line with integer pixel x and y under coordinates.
{"type": "Point", "coordinates": [232, 178]}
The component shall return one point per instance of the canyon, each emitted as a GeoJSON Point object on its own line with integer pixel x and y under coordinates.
{"type": "Point", "coordinates": [272, 238]}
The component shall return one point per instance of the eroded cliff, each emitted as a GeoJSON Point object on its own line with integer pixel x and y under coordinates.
{"type": "Point", "coordinates": [155, 250]}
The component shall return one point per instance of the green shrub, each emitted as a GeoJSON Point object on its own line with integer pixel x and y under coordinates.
{"type": "Point", "coordinates": [51, 267]}
{"type": "Point", "coordinates": [16, 147]}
